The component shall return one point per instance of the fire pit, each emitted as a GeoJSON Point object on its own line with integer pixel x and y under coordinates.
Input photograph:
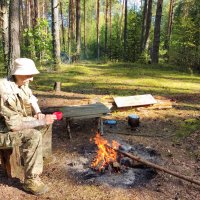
{"type": "Point", "coordinates": [108, 167]}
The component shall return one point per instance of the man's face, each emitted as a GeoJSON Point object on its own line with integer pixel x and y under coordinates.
{"type": "Point", "coordinates": [23, 79]}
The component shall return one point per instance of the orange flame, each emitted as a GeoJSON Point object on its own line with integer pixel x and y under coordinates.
{"type": "Point", "coordinates": [105, 155]}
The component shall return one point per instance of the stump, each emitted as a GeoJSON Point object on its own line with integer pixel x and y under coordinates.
{"type": "Point", "coordinates": [57, 86]}
{"type": "Point", "coordinates": [11, 161]}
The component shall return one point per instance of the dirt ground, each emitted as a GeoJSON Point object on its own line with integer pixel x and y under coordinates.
{"type": "Point", "coordinates": [156, 130]}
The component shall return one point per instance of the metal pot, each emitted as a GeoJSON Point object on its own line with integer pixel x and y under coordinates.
{"type": "Point", "coordinates": [133, 120]}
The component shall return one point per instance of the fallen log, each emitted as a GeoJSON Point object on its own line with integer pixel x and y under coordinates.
{"type": "Point", "coordinates": [158, 167]}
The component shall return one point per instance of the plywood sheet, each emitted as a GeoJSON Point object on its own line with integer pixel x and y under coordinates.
{"type": "Point", "coordinates": [137, 100]}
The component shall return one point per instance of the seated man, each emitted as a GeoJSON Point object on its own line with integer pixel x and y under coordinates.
{"type": "Point", "coordinates": [19, 125]}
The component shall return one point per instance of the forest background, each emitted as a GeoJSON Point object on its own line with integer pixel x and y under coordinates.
{"type": "Point", "coordinates": [101, 48]}
{"type": "Point", "coordinates": [146, 31]}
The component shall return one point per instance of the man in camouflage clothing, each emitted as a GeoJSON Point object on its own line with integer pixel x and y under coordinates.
{"type": "Point", "coordinates": [21, 120]}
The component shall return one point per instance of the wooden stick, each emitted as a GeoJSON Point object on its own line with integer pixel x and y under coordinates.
{"type": "Point", "coordinates": [139, 159]}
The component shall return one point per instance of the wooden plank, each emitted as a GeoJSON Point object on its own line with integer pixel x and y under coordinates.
{"type": "Point", "coordinates": [137, 100]}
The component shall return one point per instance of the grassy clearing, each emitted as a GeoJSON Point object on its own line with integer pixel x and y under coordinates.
{"type": "Point", "coordinates": [120, 79]}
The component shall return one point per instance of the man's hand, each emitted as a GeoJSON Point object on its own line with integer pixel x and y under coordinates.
{"type": "Point", "coordinates": [50, 119]}
{"type": "Point", "coordinates": [39, 116]}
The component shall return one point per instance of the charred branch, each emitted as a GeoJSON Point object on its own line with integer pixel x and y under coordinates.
{"type": "Point", "coordinates": [160, 168]}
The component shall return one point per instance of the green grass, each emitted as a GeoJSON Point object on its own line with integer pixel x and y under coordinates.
{"type": "Point", "coordinates": [120, 79]}
{"type": "Point", "coordinates": [187, 127]}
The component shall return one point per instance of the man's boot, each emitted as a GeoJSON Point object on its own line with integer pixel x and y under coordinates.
{"type": "Point", "coordinates": [35, 186]}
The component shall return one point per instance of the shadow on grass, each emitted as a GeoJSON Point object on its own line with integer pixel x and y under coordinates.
{"type": "Point", "coordinates": [120, 79]}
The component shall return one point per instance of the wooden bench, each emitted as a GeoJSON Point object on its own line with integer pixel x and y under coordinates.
{"type": "Point", "coordinates": [11, 161]}
{"type": "Point", "coordinates": [70, 113]}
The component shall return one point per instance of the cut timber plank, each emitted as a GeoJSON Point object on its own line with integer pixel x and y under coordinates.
{"type": "Point", "coordinates": [137, 100]}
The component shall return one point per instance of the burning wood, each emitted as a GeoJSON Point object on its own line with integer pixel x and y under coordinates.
{"type": "Point", "coordinates": [105, 156]}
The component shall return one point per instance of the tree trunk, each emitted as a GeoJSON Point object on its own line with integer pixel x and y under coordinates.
{"type": "Point", "coordinates": [62, 26]}
{"type": "Point", "coordinates": [84, 28]}
{"type": "Point", "coordinates": [156, 41]}
{"type": "Point", "coordinates": [110, 29]}
{"type": "Point", "coordinates": [69, 30]}
{"type": "Point", "coordinates": [78, 27]}
{"type": "Point", "coordinates": [169, 26]}
{"type": "Point", "coordinates": [14, 44]}
{"type": "Point", "coordinates": [125, 29]}
{"type": "Point", "coordinates": [55, 33]}
{"type": "Point", "coordinates": [27, 18]}
{"type": "Point", "coordinates": [36, 7]}
{"type": "Point", "coordinates": [5, 36]}
{"type": "Point", "coordinates": [148, 25]}
{"type": "Point", "coordinates": [144, 21]}
{"type": "Point", "coordinates": [22, 23]}
{"type": "Point", "coordinates": [97, 24]}
{"type": "Point", "coordinates": [72, 19]}
{"type": "Point", "coordinates": [32, 11]}
{"type": "Point", "coordinates": [106, 27]}
{"type": "Point", "coordinates": [43, 10]}
{"type": "Point", "coordinates": [121, 20]}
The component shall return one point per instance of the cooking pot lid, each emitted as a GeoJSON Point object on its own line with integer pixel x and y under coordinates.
{"type": "Point", "coordinates": [134, 116]}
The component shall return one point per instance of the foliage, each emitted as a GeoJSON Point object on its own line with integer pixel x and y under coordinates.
{"type": "Point", "coordinates": [185, 44]}
{"type": "Point", "coordinates": [38, 39]}
{"type": "Point", "coordinates": [134, 24]}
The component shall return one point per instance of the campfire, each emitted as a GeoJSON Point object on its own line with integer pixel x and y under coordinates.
{"type": "Point", "coordinates": [110, 157]}
{"type": "Point", "coordinates": [106, 156]}
{"type": "Point", "coordinates": [111, 164]}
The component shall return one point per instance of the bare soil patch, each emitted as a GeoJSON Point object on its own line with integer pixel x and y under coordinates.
{"type": "Point", "coordinates": [156, 131]}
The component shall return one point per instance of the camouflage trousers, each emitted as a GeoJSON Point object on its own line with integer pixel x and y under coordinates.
{"type": "Point", "coordinates": [34, 145]}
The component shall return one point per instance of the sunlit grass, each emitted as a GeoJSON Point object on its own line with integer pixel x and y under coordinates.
{"type": "Point", "coordinates": [120, 79]}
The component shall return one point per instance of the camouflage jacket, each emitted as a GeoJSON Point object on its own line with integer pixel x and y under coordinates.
{"type": "Point", "coordinates": [16, 104]}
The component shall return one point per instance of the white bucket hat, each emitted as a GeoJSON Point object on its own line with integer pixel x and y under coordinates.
{"type": "Point", "coordinates": [24, 66]}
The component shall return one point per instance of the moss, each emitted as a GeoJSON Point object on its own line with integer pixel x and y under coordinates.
{"type": "Point", "coordinates": [187, 127]}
